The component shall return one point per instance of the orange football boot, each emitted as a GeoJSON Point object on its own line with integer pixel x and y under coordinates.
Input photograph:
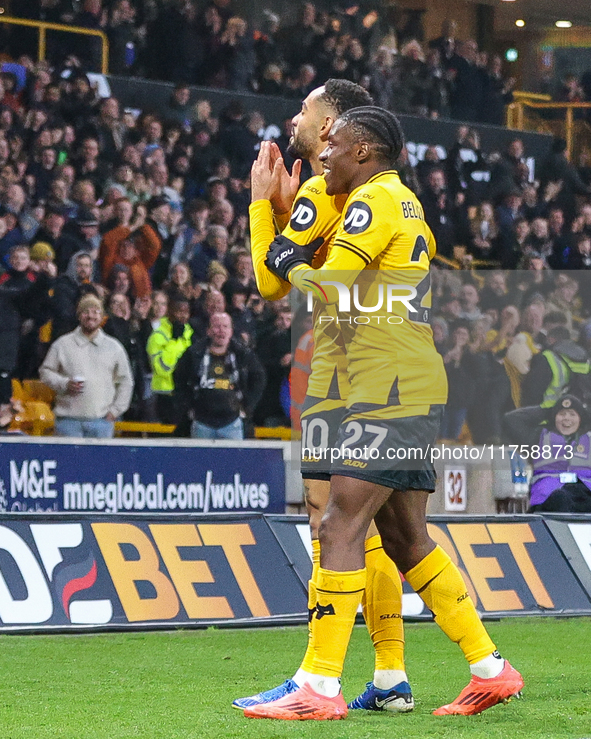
{"type": "Point", "coordinates": [481, 693]}
{"type": "Point", "coordinates": [303, 705]}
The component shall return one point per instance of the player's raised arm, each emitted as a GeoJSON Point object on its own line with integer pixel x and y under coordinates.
{"type": "Point", "coordinates": [363, 145]}
{"type": "Point", "coordinates": [266, 177]}
{"type": "Point", "coordinates": [314, 219]}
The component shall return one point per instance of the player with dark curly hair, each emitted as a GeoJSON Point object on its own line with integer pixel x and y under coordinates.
{"type": "Point", "coordinates": [313, 218]}
{"type": "Point", "coordinates": [382, 470]}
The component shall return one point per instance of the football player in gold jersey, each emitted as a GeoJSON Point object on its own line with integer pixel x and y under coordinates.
{"type": "Point", "coordinates": [314, 217]}
{"type": "Point", "coordinates": [397, 390]}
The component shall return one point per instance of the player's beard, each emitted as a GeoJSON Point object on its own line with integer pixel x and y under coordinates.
{"type": "Point", "coordinates": [300, 148]}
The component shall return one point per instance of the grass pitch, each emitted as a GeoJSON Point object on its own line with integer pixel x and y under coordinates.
{"type": "Point", "coordinates": [179, 685]}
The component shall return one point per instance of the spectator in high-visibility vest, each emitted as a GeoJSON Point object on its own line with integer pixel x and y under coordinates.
{"type": "Point", "coordinates": [561, 365]}
{"type": "Point", "coordinates": [166, 346]}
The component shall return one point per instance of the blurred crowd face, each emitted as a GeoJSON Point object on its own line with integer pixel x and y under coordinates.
{"type": "Point", "coordinates": [59, 190]}
{"type": "Point", "coordinates": [586, 215]}
{"type": "Point", "coordinates": [179, 312]}
{"type": "Point", "coordinates": [159, 305]}
{"type": "Point", "coordinates": [567, 421]}
{"type": "Point", "coordinates": [498, 283]}
{"type": "Point", "coordinates": [218, 280]}
{"type": "Point", "coordinates": [461, 336]}
{"type": "Point", "coordinates": [127, 250]}
{"type": "Point", "coordinates": [431, 154]}
{"type": "Point", "coordinates": [15, 198]}
{"type": "Point", "coordinates": [539, 228]}
{"type": "Point", "coordinates": [522, 230]}
{"type": "Point", "coordinates": [439, 333]}
{"type": "Point", "coordinates": [223, 213]}
{"type": "Point", "coordinates": [486, 212]}
{"type": "Point", "coordinates": [436, 180]}
{"type": "Point", "coordinates": [83, 192]}
{"type": "Point", "coordinates": [452, 308]}
{"type": "Point", "coordinates": [182, 95]}
{"type": "Point", "coordinates": [244, 267]}
{"type": "Point", "coordinates": [180, 274]}
{"type": "Point", "coordinates": [154, 132]}
{"type": "Point", "coordinates": [123, 210]}
{"type": "Point", "coordinates": [124, 174]}
{"type": "Point", "coordinates": [119, 305]}
{"type": "Point", "coordinates": [220, 329]}
{"type": "Point", "coordinates": [90, 318]}
{"type": "Point", "coordinates": [130, 155]}
{"type": "Point", "coordinates": [161, 214]}
{"type": "Point", "coordinates": [20, 259]}
{"type": "Point", "coordinates": [283, 320]}
{"type": "Point", "coordinates": [141, 306]}
{"type": "Point", "coordinates": [567, 288]}
{"type": "Point", "coordinates": [510, 317]}
{"type": "Point", "coordinates": [533, 318]}
{"type": "Point", "coordinates": [48, 158]}
{"type": "Point", "coordinates": [516, 149]}
{"type": "Point", "coordinates": [83, 268]}
{"type": "Point", "coordinates": [469, 297]}
{"type": "Point", "coordinates": [122, 283]}
{"type": "Point", "coordinates": [556, 221]}
{"type": "Point", "coordinates": [203, 110]}
{"type": "Point", "coordinates": [90, 149]}
{"type": "Point", "coordinates": [214, 302]}
{"type": "Point", "coordinates": [219, 241]}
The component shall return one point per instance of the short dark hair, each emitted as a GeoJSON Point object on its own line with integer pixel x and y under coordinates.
{"type": "Point", "coordinates": [555, 316]}
{"type": "Point", "coordinates": [342, 95]}
{"type": "Point", "coordinates": [560, 333]}
{"type": "Point", "coordinates": [178, 300]}
{"type": "Point", "coordinates": [379, 127]}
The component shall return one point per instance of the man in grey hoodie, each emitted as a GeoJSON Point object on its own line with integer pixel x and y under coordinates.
{"type": "Point", "coordinates": [69, 288]}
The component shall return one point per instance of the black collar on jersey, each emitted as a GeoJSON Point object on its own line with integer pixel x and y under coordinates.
{"type": "Point", "coordinates": [381, 174]}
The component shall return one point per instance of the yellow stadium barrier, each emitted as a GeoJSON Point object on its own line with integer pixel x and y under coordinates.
{"type": "Point", "coordinates": [43, 27]}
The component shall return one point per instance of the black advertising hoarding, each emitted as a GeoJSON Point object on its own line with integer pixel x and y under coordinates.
{"type": "Point", "coordinates": [573, 535]}
{"type": "Point", "coordinates": [142, 571]}
{"type": "Point", "coordinates": [145, 571]}
{"type": "Point", "coordinates": [150, 95]}
{"type": "Point", "coordinates": [512, 565]}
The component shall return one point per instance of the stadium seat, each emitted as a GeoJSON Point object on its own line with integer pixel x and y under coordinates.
{"type": "Point", "coordinates": [18, 391]}
{"type": "Point", "coordinates": [36, 418]}
{"type": "Point", "coordinates": [275, 432]}
{"type": "Point", "coordinates": [37, 390]}
{"type": "Point", "coordinates": [142, 429]}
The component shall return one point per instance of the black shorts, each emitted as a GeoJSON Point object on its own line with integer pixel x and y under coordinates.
{"type": "Point", "coordinates": [389, 446]}
{"type": "Point", "coordinates": [320, 421]}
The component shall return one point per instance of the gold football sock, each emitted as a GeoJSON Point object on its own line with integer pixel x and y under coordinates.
{"type": "Point", "coordinates": [309, 656]}
{"type": "Point", "coordinates": [439, 583]}
{"type": "Point", "coordinates": [338, 597]}
{"type": "Point", "coordinates": [382, 606]}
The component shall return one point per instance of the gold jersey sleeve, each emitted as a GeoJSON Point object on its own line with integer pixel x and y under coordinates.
{"type": "Point", "coordinates": [380, 264]}
{"type": "Point", "coordinates": [314, 214]}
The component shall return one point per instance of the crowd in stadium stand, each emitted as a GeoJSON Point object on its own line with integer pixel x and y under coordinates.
{"type": "Point", "coordinates": [150, 214]}
{"type": "Point", "coordinates": [381, 48]}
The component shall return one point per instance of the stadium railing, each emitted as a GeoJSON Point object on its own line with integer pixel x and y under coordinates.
{"type": "Point", "coordinates": [43, 27]}
{"type": "Point", "coordinates": [570, 121]}
{"type": "Point", "coordinates": [140, 428]}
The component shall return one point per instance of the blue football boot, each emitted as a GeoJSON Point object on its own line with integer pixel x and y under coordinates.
{"type": "Point", "coordinates": [268, 696]}
{"type": "Point", "coordinates": [397, 699]}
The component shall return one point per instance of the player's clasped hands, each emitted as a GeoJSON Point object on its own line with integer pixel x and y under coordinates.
{"type": "Point", "coordinates": [270, 180]}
